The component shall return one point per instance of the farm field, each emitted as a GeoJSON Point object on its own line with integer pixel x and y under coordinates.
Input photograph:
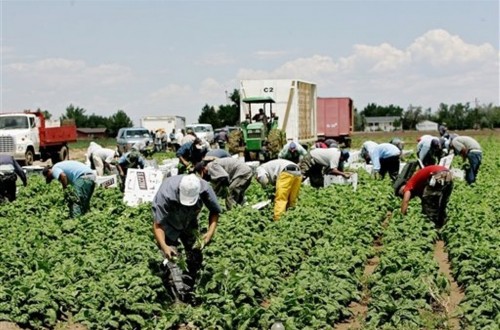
{"type": "Point", "coordinates": [341, 259]}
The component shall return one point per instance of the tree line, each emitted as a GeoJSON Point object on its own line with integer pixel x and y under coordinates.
{"type": "Point", "coordinates": [112, 123]}
{"type": "Point", "coordinates": [458, 116]}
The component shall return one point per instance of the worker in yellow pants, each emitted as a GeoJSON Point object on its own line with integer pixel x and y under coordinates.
{"type": "Point", "coordinates": [286, 178]}
{"type": "Point", "coordinates": [287, 191]}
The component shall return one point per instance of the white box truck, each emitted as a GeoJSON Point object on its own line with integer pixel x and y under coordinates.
{"type": "Point", "coordinates": [167, 123]}
{"type": "Point", "coordinates": [293, 102]}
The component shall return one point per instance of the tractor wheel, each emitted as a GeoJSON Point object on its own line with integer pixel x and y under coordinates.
{"type": "Point", "coordinates": [275, 142]}
{"type": "Point", "coordinates": [235, 143]}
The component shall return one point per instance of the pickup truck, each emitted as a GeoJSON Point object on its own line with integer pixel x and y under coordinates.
{"type": "Point", "coordinates": [27, 136]}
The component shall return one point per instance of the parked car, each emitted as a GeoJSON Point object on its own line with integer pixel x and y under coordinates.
{"type": "Point", "coordinates": [128, 136]}
{"type": "Point", "coordinates": [204, 131]}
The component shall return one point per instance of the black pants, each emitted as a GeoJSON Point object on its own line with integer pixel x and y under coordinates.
{"type": "Point", "coordinates": [390, 165]}
{"type": "Point", "coordinates": [194, 257]}
{"type": "Point", "coordinates": [435, 198]}
{"type": "Point", "coordinates": [8, 186]}
{"type": "Point", "coordinates": [313, 171]}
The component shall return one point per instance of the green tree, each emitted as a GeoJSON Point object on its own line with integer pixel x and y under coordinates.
{"type": "Point", "coordinates": [97, 121]}
{"type": "Point", "coordinates": [209, 116]}
{"type": "Point", "coordinates": [77, 114]}
{"type": "Point", "coordinates": [46, 114]}
{"type": "Point", "coordinates": [412, 116]}
{"type": "Point", "coordinates": [229, 115]}
{"type": "Point", "coordinates": [374, 110]}
{"type": "Point", "coordinates": [118, 120]}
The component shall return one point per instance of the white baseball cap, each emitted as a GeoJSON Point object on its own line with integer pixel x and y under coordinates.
{"type": "Point", "coordinates": [189, 189]}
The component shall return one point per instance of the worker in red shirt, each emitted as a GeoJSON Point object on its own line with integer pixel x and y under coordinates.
{"type": "Point", "coordinates": [433, 184]}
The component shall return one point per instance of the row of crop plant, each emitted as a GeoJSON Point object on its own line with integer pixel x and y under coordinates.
{"type": "Point", "coordinates": [95, 270]}
{"type": "Point", "coordinates": [473, 242]}
{"type": "Point", "coordinates": [304, 269]}
{"type": "Point", "coordinates": [407, 276]}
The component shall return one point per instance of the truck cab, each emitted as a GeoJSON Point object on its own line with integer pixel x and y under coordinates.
{"type": "Point", "coordinates": [19, 136]}
{"type": "Point", "coordinates": [28, 137]}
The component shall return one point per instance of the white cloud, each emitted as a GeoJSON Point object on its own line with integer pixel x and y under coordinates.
{"type": "Point", "coordinates": [211, 91]}
{"type": "Point", "coordinates": [436, 67]}
{"type": "Point", "coordinates": [60, 73]}
{"type": "Point", "coordinates": [269, 54]}
{"type": "Point", "coordinates": [440, 48]}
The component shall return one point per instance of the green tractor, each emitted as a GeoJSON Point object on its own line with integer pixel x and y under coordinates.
{"type": "Point", "coordinates": [259, 138]}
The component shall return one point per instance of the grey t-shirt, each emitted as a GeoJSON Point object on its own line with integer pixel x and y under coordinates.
{"type": "Point", "coordinates": [227, 168]}
{"type": "Point", "coordinates": [461, 142]}
{"type": "Point", "coordinates": [174, 217]}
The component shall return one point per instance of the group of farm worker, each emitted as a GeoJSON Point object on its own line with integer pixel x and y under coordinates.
{"type": "Point", "coordinates": [205, 174]}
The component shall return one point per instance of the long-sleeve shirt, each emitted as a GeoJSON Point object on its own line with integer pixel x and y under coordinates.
{"type": "Point", "coordinates": [461, 142]}
{"type": "Point", "coordinates": [382, 151]}
{"type": "Point", "coordinates": [16, 168]}
{"type": "Point", "coordinates": [191, 153]}
{"type": "Point", "coordinates": [272, 170]}
{"type": "Point", "coordinates": [92, 148]}
{"type": "Point", "coordinates": [327, 157]}
{"type": "Point", "coordinates": [107, 155]}
{"type": "Point", "coordinates": [227, 168]}
{"type": "Point", "coordinates": [286, 154]}
{"type": "Point", "coordinates": [424, 146]}
{"type": "Point", "coordinates": [367, 148]}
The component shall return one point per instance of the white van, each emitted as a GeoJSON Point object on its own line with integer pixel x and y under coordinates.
{"type": "Point", "coordinates": [204, 131]}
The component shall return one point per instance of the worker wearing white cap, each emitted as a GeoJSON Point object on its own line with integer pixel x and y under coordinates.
{"type": "Point", "coordinates": [285, 176]}
{"type": "Point", "coordinates": [175, 207]}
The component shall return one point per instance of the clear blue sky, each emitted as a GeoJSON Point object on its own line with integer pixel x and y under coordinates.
{"type": "Point", "coordinates": [173, 57]}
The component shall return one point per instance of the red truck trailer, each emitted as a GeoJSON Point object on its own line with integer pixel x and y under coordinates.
{"type": "Point", "coordinates": [27, 136]}
{"type": "Point", "coordinates": [335, 119]}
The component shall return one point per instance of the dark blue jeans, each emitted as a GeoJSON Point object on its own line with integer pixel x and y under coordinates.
{"type": "Point", "coordinates": [474, 162]}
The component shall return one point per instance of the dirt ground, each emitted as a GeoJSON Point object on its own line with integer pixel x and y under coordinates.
{"type": "Point", "coordinates": [74, 154]}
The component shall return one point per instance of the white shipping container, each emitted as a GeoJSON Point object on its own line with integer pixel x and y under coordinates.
{"type": "Point", "coordinates": [295, 105]}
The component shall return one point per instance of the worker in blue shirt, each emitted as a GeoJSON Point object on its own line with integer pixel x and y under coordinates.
{"type": "Point", "coordinates": [78, 182]}
{"type": "Point", "coordinates": [385, 159]}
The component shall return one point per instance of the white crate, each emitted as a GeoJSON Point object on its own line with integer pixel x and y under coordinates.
{"type": "Point", "coordinates": [446, 161]}
{"type": "Point", "coordinates": [338, 179]}
{"type": "Point", "coordinates": [401, 166]}
{"type": "Point", "coordinates": [355, 157]}
{"type": "Point", "coordinates": [457, 173]}
{"type": "Point", "coordinates": [107, 181]}
{"type": "Point", "coordinates": [141, 185]}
